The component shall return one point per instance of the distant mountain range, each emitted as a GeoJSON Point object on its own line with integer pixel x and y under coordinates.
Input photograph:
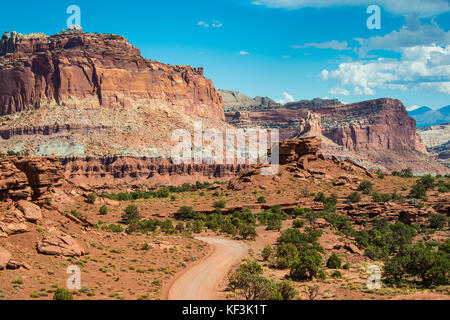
{"type": "Point", "coordinates": [426, 116]}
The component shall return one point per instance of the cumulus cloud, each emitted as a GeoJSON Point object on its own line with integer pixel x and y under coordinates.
{"type": "Point", "coordinates": [339, 91]}
{"type": "Point", "coordinates": [286, 98]}
{"type": "Point", "coordinates": [244, 53]}
{"type": "Point", "coordinates": [414, 33]}
{"type": "Point", "coordinates": [424, 8]}
{"type": "Point", "coordinates": [335, 45]}
{"type": "Point", "coordinates": [424, 68]}
{"type": "Point", "coordinates": [214, 24]}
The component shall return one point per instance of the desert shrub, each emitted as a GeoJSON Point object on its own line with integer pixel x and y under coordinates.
{"type": "Point", "coordinates": [428, 181]}
{"type": "Point", "coordinates": [339, 221]}
{"type": "Point", "coordinates": [148, 225]}
{"type": "Point", "coordinates": [220, 204]}
{"type": "Point", "coordinates": [336, 274]}
{"type": "Point", "coordinates": [380, 197]}
{"type": "Point", "coordinates": [267, 252]}
{"type": "Point", "coordinates": [334, 262]}
{"type": "Point", "coordinates": [306, 266]}
{"type": "Point", "coordinates": [286, 255]}
{"type": "Point", "coordinates": [418, 191]}
{"type": "Point", "coordinates": [167, 226]}
{"type": "Point", "coordinates": [78, 215]}
{"type": "Point", "coordinates": [247, 231]}
{"type": "Point", "coordinates": [365, 187]}
{"type": "Point", "coordinates": [354, 197]}
{"type": "Point", "coordinates": [131, 215]}
{"type": "Point", "coordinates": [404, 173]}
{"type": "Point", "coordinates": [346, 266]}
{"type": "Point", "coordinates": [91, 198]}
{"type": "Point", "coordinates": [185, 213]}
{"type": "Point", "coordinates": [228, 227]}
{"type": "Point", "coordinates": [197, 226]}
{"type": "Point", "coordinates": [394, 269]}
{"type": "Point", "coordinates": [437, 221]}
{"type": "Point", "coordinates": [431, 267]}
{"type": "Point", "coordinates": [104, 210]}
{"type": "Point", "coordinates": [320, 197]}
{"type": "Point", "coordinates": [298, 223]}
{"type": "Point", "coordinates": [262, 200]}
{"type": "Point", "coordinates": [286, 290]}
{"type": "Point", "coordinates": [62, 294]}
{"type": "Point", "coordinates": [246, 216]}
{"type": "Point", "coordinates": [384, 239]}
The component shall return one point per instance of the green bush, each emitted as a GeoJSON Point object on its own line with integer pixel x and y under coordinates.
{"type": "Point", "coordinates": [354, 197]}
{"type": "Point", "coordinates": [404, 173]}
{"type": "Point", "coordinates": [306, 266]}
{"type": "Point", "coordinates": [248, 231]}
{"type": "Point", "coordinates": [437, 221]}
{"type": "Point", "coordinates": [286, 255]}
{"type": "Point", "coordinates": [381, 197]}
{"type": "Point", "coordinates": [418, 191]}
{"type": "Point", "coordinates": [62, 294]}
{"type": "Point", "coordinates": [336, 274]}
{"type": "Point", "coordinates": [346, 266]}
{"type": "Point", "coordinates": [298, 223]}
{"type": "Point", "coordinates": [220, 204]}
{"type": "Point", "coordinates": [131, 215]}
{"type": "Point", "coordinates": [262, 200]}
{"type": "Point", "coordinates": [334, 262]}
{"type": "Point", "coordinates": [185, 213]}
{"type": "Point", "coordinates": [197, 226]}
{"type": "Point", "coordinates": [365, 187]}
{"type": "Point", "coordinates": [91, 198]}
{"type": "Point", "coordinates": [267, 252]}
{"type": "Point", "coordinates": [104, 210]}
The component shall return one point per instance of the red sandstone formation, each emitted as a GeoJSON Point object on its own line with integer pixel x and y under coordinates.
{"type": "Point", "coordinates": [143, 171]}
{"type": "Point", "coordinates": [28, 178]}
{"type": "Point", "coordinates": [94, 95]}
{"type": "Point", "coordinates": [78, 69]}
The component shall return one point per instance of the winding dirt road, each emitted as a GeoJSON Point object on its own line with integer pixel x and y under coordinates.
{"type": "Point", "coordinates": [201, 282]}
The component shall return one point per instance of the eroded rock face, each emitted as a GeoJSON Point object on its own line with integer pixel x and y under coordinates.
{"type": "Point", "coordinates": [94, 95]}
{"type": "Point", "coordinates": [143, 170]}
{"type": "Point", "coordinates": [97, 70]}
{"type": "Point", "coordinates": [292, 150]}
{"type": "Point", "coordinates": [28, 177]}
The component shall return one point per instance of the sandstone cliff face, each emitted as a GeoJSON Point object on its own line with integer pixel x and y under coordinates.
{"type": "Point", "coordinates": [143, 171]}
{"type": "Point", "coordinates": [80, 94]}
{"type": "Point", "coordinates": [78, 69]}
{"type": "Point", "coordinates": [381, 124]}
{"type": "Point", "coordinates": [28, 178]}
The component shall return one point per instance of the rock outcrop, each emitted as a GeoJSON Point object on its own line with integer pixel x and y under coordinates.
{"type": "Point", "coordinates": [437, 140]}
{"type": "Point", "coordinates": [5, 257]}
{"type": "Point", "coordinates": [151, 171]}
{"type": "Point", "coordinates": [58, 243]}
{"type": "Point", "coordinates": [236, 101]}
{"type": "Point", "coordinates": [94, 95]}
{"type": "Point", "coordinates": [26, 178]}
{"type": "Point", "coordinates": [293, 150]}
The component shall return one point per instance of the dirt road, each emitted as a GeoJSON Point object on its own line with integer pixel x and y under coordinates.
{"type": "Point", "coordinates": [201, 281]}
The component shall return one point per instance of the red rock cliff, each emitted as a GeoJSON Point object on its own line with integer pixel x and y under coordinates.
{"type": "Point", "coordinates": [80, 69]}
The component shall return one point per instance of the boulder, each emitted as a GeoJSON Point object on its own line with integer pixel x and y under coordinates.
{"type": "Point", "coordinates": [31, 211]}
{"type": "Point", "coordinates": [5, 257]}
{"type": "Point", "coordinates": [61, 244]}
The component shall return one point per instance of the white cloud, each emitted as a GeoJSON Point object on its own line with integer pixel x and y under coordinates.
{"type": "Point", "coordinates": [335, 45]}
{"type": "Point", "coordinates": [324, 75]}
{"type": "Point", "coordinates": [203, 24]}
{"type": "Point", "coordinates": [339, 91]}
{"type": "Point", "coordinates": [414, 33]}
{"type": "Point", "coordinates": [424, 68]}
{"type": "Point", "coordinates": [286, 98]}
{"type": "Point", "coordinates": [244, 53]}
{"type": "Point", "coordinates": [424, 8]}
{"type": "Point", "coordinates": [214, 24]}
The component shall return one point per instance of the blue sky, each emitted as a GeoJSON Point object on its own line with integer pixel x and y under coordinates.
{"type": "Point", "coordinates": [284, 49]}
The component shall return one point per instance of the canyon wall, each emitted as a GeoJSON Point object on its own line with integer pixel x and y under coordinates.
{"type": "Point", "coordinates": [82, 94]}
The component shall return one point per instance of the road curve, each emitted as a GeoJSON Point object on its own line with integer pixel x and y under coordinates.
{"type": "Point", "coordinates": [201, 281]}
